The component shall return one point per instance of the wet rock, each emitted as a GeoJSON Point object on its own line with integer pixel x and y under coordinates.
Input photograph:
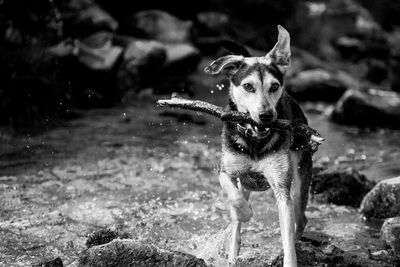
{"type": "Point", "coordinates": [208, 31]}
{"type": "Point", "coordinates": [160, 26]}
{"type": "Point", "coordinates": [128, 252]}
{"type": "Point", "coordinates": [390, 234]}
{"type": "Point", "coordinates": [211, 23]}
{"type": "Point", "coordinates": [97, 51]}
{"type": "Point", "coordinates": [350, 47]}
{"type": "Point", "coordinates": [144, 53]}
{"type": "Point", "coordinates": [383, 200]}
{"type": "Point", "coordinates": [82, 17]}
{"type": "Point", "coordinates": [326, 22]}
{"type": "Point", "coordinates": [151, 63]}
{"type": "Point", "coordinates": [57, 262]}
{"type": "Point", "coordinates": [385, 12]}
{"type": "Point", "coordinates": [316, 85]}
{"type": "Point", "coordinates": [356, 47]}
{"type": "Point", "coordinates": [140, 58]}
{"type": "Point", "coordinates": [183, 56]}
{"type": "Point", "coordinates": [319, 255]}
{"type": "Point", "coordinates": [372, 108]}
{"type": "Point", "coordinates": [377, 71]}
{"type": "Point", "coordinates": [340, 187]}
{"type": "Point", "coordinates": [103, 236]}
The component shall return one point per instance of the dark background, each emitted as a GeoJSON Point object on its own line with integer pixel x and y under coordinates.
{"type": "Point", "coordinates": [38, 86]}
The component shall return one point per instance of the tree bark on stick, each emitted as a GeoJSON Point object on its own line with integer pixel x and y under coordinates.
{"type": "Point", "coordinates": [313, 137]}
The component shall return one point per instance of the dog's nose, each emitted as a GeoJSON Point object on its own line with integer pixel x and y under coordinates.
{"type": "Point", "coordinates": [266, 116]}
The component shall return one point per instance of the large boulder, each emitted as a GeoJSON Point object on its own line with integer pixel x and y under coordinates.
{"type": "Point", "coordinates": [324, 22]}
{"type": "Point", "coordinates": [390, 234]}
{"type": "Point", "coordinates": [97, 51]}
{"type": "Point", "coordinates": [128, 252]}
{"type": "Point", "coordinates": [211, 23]}
{"type": "Point", "coordinates": [185, 56]}
{"type": "Point", "coordinates": [161, 26]}
{"type": "Point", "coordinates": [383, 200]}
{"type": "Point", "coordinates": [83, 17]}
{"type": "Point", "coordinates": [317, 85]}
{"type": "Point", "coordinates": [340, 187]}
{"type": "Point", "coordinates": [141, 57]}
{"type": "Point", "coordinates": [149, 63]}
{"type": "Point", "coordinates": [372, 108]}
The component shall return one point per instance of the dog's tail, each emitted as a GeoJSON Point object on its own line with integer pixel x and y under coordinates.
{"type": "Point", "coordinates": [235, 48]}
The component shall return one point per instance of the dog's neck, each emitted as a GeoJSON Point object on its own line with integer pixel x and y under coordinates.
{"type": "Point", "coordinates": [254, 146]}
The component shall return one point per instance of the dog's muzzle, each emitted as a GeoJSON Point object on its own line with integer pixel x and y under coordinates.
{"type": "Point", "coordinates": [253, 132]}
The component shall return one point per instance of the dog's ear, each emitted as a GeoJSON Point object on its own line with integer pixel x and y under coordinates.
{"type": "Point", "coordinates": [280, 54]}
{"type": "Point", "coordinates": [228, 65]}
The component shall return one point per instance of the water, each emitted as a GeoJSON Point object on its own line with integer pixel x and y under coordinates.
{"type": "Point", "coordinates": [138, 169]}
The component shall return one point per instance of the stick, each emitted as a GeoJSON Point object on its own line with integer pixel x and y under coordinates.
{"type": "Point", "coordinates": [313, 137]}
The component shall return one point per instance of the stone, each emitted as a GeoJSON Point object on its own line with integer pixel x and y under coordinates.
{"type": "Point", "coordinates": [355, 48]}
{"type": "Point", "coordinates": [83, 17]}
{"type": "Point", "coordinates": [145, 53]}
{"type": "Point", "coordinates": [160, 26]}
{"type": "Point", "coordinates": [325, 22]}
{"type": "Point", "coordinates": [151, 63]}
{"type": "Point", "coordinates": [383, 200]}
{"type": "Point", "coordinates": [390, 234]}
{"type": "Point", "coordinates": [128, 252]}
{"type": "Point", "coordinates": [140, 58]}
{"type": "Point", "coordinates": [103, 236]}
{"type": "Point", "coordinates": [378, 71]}
{"type": "Point", "coordinates": [310, 254]}
{"type": "Point", "coordinates": [183, 55]}
{"type": "Point", "coordinates": [371, 108]}
{"type": "Point", "coordinates": [340, 187]}
{"type": "Point", "coordinates": [316, 85]}
{"type": "Point", "coordinates": [56, 262]}
{"type": "Point", "coordinates": [97, 51]}
{"type": "Point", "coordinates": [211, 23]}
{"type": "Point", "coordinates": [350, 47]}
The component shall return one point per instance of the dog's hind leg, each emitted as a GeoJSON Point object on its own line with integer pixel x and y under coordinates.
{"type": "Point", "coordinates": [240, 210]}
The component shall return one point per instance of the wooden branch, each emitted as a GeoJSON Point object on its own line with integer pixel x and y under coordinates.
{"type": "Point", "coordinates": [313, 137]}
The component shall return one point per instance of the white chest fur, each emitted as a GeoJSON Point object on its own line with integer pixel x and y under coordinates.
{"type": "Point", "coordinates": [273, 166]}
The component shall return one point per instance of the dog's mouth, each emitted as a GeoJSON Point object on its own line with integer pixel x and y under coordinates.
{"type": "Point", "coordinates": [260, 130]}
{"type": "Point", "coordinates": [255, 132]}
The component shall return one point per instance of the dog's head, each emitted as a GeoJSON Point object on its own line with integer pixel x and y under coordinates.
{"type": "Point", "coordinates": [256, 82]}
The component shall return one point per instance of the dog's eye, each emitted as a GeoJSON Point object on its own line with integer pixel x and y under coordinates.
{"type": "Point", "coordinates": [274, 87]}
{"type": "Point", "coordinates": [249, 88]}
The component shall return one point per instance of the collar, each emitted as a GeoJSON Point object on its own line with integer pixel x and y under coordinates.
{"type": "Point", "coordinates": [252, 132]}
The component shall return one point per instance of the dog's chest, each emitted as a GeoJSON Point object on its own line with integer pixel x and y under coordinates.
{"type": "Point", "coordinates": [256, 175]}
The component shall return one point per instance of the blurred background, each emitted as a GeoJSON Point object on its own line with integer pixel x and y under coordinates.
{"type": "Point", "coordinates": [83, 146]}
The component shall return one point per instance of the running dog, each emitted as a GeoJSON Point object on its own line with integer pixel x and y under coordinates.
{"type": "Point", "coordinates": [255, 159]}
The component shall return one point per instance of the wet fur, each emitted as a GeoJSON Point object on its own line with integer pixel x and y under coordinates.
{"type": "Point", "coordinates": [277, 161]}
{"type": "Point", "coordinates": [249, 152]}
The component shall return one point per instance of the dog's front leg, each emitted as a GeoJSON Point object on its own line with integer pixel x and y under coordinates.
{"type": "Point", "coordinates": [286, 220]}
{"type": "Point", "coordinates": [240, 210]}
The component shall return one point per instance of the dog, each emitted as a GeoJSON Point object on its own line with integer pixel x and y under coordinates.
{"type": "Point", "coordinates": [255, 159]}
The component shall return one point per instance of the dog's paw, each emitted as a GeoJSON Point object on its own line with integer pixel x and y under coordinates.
{"type": "Point", "coordinates": [242, 209]}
